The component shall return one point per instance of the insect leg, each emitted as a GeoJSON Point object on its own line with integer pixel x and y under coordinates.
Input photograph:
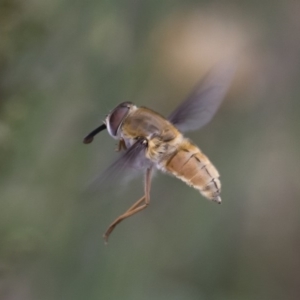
{"type": "Point", "coordinates": [121, 145]}
{"type": "Point", "coordinates": [135, 208]}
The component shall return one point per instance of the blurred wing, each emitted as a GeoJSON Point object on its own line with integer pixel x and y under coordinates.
{"type": "Point", "coordinates": [199, 108]}
{"type": "Point", "coordinates": [132, 160]}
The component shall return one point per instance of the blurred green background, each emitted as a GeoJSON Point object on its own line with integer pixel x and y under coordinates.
{"type": "Point", "coordinates": [63, 65]}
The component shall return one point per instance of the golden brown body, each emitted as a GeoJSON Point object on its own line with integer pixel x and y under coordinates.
{"type": "Point", "coordinates": [171, 152]}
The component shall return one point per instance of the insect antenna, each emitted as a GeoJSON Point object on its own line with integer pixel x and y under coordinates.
{"type": "Point", "coordinates": [90, 137]}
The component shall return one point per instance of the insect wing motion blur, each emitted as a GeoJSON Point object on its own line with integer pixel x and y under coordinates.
{"type": "Point", "coordinates": [152, 141]}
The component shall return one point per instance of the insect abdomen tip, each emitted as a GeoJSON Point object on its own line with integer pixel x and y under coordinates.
{"type": "Point", "coordinates": [217, 199]}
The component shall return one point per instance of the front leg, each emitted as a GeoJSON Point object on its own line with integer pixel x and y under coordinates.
{"type": "Point", "coordinates": [121, 145]}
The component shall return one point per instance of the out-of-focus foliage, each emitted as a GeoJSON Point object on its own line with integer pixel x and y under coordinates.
{"type": "Point", "coordinates": [63, 65]}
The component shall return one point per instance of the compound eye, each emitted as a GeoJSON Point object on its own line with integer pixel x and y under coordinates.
{"type": "Point", "coordinates": [117, 116]}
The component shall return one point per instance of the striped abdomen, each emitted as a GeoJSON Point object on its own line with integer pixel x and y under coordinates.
{"type": "Point", "coordinates": [191, 166]}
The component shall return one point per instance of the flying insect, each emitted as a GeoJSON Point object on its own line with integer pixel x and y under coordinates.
{"type": "Point", "coordinates": [151, 141]}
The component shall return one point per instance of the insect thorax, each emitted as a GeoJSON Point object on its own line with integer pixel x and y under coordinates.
{"type": "Point", "coordinates": [160, 148]}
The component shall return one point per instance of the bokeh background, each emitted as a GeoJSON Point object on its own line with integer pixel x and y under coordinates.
{"type": "Point", "coordinates": [63, 65]}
